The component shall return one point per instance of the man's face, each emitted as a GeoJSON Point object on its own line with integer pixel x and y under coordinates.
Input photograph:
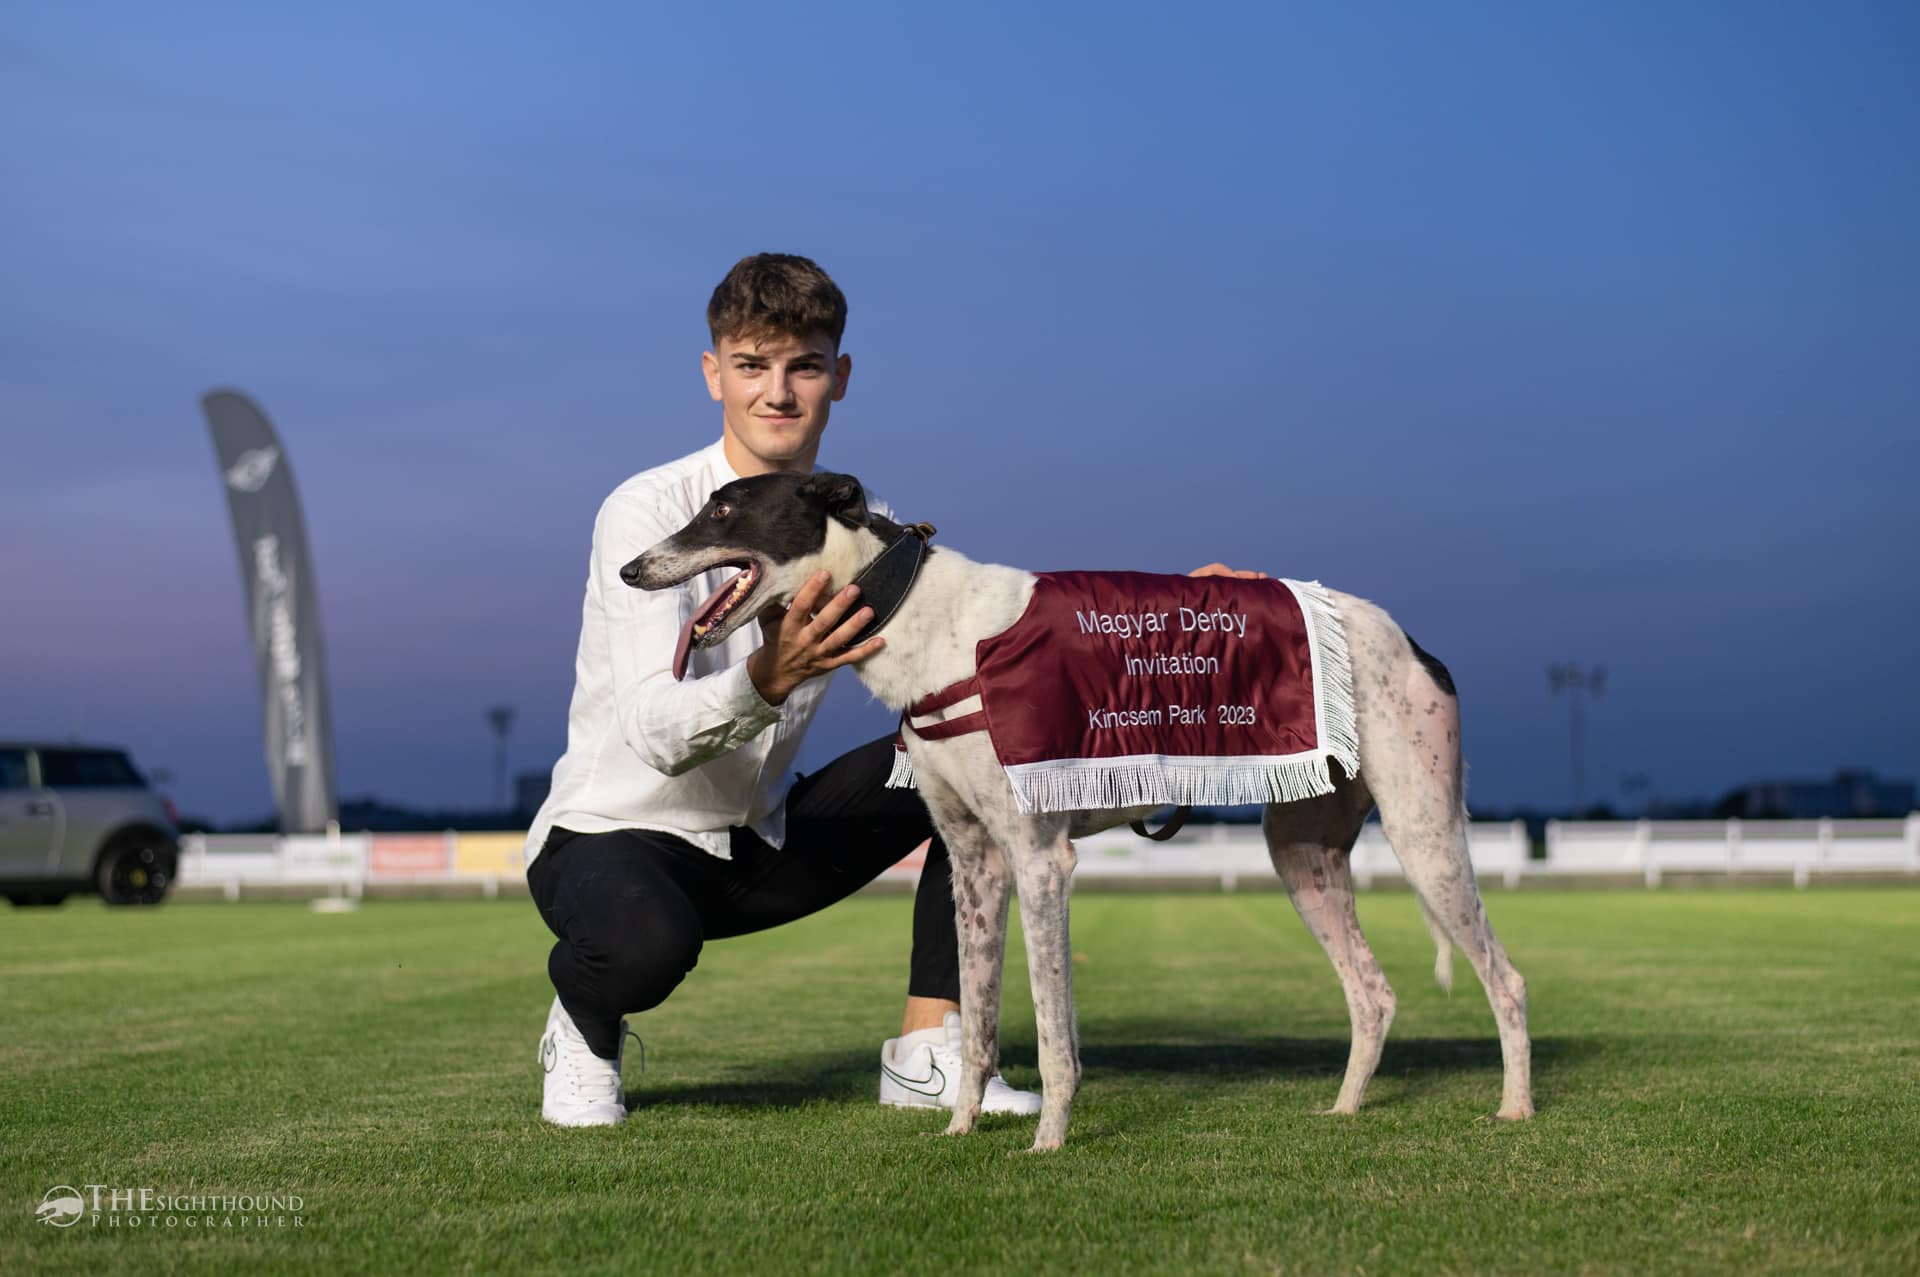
{"type": "Point", "coordinates": [775, 393]}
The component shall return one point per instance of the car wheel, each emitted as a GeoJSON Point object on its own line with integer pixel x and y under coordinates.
{"type": "Point", "coordinates": [136, 869]}
{"type": "Point", "coordinates": [28, 899]}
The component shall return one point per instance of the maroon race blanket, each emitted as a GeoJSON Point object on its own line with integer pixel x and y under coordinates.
{"type": "Point", "coordinates": [1128, 689]}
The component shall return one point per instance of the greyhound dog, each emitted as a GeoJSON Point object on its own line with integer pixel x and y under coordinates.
{"type": "Point", "coordinates": [780, 529]}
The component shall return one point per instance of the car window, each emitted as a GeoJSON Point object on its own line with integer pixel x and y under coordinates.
{"type": "Point", "coordinates": [13, 769]}
{"type": "Point", "coordinates": [87, 769]}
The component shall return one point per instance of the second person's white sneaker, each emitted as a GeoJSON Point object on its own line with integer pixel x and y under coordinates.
{"type": "Point", "coordinates": [581, 1088]}
{"type": "Point", "coordinates": [922, 1070]}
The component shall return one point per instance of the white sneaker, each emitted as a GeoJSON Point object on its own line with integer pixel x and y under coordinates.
{"type": "Point", "coordinates": [926, 1074]}
{"type": "Point", "coordinates": [581, 1088]}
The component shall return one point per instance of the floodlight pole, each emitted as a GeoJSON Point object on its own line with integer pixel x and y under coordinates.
{"type": "Point", "coordinates": [1579, 684]}
{"type": "Point", "coordinates": [500, 718]}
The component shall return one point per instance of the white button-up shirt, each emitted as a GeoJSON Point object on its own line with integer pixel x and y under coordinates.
{"type": "Point", "coordinates": [690, 758]}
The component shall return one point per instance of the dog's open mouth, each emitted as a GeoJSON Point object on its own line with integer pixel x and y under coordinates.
{"type": "Point", "coordinates": [710, 617]}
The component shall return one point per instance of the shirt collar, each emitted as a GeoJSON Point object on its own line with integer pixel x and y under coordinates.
{"type": "Point", "coordinates": [718, 453]}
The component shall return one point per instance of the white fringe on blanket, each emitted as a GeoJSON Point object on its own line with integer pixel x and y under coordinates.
{"type": "Point", "coordinates": [901, 777]}
{"type": "Point", "coordinates": [1336, 728]}
{"type": "Point", "coordinates": [1155, 780]}
{"type": "Point", "coordinates": [1140, 780]}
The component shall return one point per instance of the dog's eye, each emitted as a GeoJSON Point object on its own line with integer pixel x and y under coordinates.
{"type": "Point", "coordinates": [722, 510]}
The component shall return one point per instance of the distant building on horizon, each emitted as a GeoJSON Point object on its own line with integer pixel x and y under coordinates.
{"type": "Point", "coordinates": [1850, 795]}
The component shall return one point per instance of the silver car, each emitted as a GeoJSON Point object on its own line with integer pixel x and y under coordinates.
{"type": "Point", "coordinates": [82, 818]}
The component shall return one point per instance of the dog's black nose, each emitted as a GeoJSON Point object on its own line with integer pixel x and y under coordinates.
{"type": "Point", "coordinates": [631, 573]}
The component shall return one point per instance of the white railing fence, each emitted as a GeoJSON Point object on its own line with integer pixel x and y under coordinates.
{"type": "Point", "coordinates": [1647, 851]}
{"type": "Point", "coordinates": [1802, 848]}
{"type": "Point", "coordinates": [1235, 852]}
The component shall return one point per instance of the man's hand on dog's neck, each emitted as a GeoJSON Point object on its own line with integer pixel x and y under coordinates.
{"type": "Point", "coordinates": [1221, 569]}
{"type": "Point", "coordinates": [809, 639]}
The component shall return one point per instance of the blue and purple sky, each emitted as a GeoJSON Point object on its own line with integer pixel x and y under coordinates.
{"type": "Point", "coordinates": [1584, 333]}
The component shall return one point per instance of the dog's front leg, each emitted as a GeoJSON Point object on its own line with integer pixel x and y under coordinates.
{"type": "Point", "coordinates": [1043, 868]}
{"type": "Point", "coordinates": [982, 889]}
{"type": "Point", "coordinates": [981, 892]}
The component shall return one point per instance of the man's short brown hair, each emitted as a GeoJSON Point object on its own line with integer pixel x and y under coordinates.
{"type": "Point", "coordinates": [776, 294]}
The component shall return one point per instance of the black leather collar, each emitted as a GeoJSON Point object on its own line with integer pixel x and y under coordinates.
{"type": "Point", "coordinates": [885, 582]}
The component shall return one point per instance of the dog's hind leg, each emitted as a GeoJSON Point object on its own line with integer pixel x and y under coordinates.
{"type": "Point", "coordinates": [1043, 870]}
{"type": "Point", "coordinates": [1311, 843]}
{"type": "Point", "coordinates": [1438, 868]}
{"type": "Point", "coordinates": [1410, 754]}
{"type": "Point", "coordinates": [982, 887]}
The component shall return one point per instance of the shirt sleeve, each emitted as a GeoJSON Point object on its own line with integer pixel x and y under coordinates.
{"type": "Point", "coordinates": [674, 726]}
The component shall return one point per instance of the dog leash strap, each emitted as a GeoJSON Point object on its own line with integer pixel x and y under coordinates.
{"type": "Point", "coordinates": [1167, 830]}
{"type": "Point", "coordinates": [946, 696]}
{"type": "Point", "coordinates": [937, 701]}
{"type": "Point", "coordinates": [974, 722]}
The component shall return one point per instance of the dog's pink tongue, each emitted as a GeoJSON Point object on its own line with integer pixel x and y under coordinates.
{"type": "Point", "coordinates": [700, 614]}
{"type": "Point", "coordinates": [680, 650]}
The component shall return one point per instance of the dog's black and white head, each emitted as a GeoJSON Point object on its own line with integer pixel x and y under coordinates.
{"type": "Point", "coordinates": [775, 528]}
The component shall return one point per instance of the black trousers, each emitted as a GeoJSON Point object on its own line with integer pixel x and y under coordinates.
{"type": "Point", "coordinates": [632, 908]}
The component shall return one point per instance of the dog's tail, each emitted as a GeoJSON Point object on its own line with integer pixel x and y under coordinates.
{"type": "Point", "coordinates": [1442, 960]}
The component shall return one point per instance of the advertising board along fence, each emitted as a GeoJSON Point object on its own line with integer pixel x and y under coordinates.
{"type": "Point", "coordinates": [348, 864]}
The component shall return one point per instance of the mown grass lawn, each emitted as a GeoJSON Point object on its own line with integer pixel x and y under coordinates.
{"type": "Point", "coordinates": [1727, 1081]}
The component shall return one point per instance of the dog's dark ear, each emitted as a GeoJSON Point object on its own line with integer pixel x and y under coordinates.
{"type": "Point", "coordinates": [839, 495]}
